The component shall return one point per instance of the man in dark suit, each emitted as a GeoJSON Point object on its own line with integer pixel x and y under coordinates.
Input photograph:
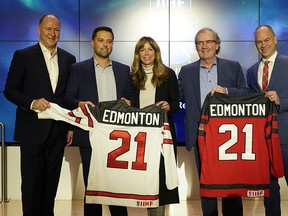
{"type": "Point", "coordinates": [95, 80]}
{"type": "Point", "coordinates": [277, 92]}
{"type": "Point", "coordinates": [196, 80]}
{"type": "Point", "coordinates": [39, 74]}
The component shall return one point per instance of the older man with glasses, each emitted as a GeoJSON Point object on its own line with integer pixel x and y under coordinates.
{"type": "Point", "coordinates": [207, 75]}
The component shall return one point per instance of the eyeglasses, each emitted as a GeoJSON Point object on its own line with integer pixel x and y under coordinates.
{"type": "Point", "coordinates": [207, 42]}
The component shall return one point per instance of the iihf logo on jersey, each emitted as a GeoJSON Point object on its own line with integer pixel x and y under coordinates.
{"type": "Point", "coordinates": [144, 203]}
{"type": "Point", "coordinates": [259, 193]}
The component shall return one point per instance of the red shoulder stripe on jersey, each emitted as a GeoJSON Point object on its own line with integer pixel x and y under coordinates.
{"type": "Point", "coordinates": [77, 119]}
{"type": "Point", "coordinates": [86, 113]}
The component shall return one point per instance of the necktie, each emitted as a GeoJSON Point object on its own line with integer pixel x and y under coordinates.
{"type": "Point", "coordinates": [265, 76]}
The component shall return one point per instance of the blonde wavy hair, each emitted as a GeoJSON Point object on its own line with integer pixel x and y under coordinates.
{"type": "Point", "coordinates": [160, 72]}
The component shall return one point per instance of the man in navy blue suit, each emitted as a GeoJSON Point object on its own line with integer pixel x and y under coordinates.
{"type": "Point", "coordinates": [92, 81]}
{"type": "Point", "coordinates": [208, 75]}
{"type": "Point", "coordinates": [39, 74]}
{"type": "Point", "coordinates": [277, 92]}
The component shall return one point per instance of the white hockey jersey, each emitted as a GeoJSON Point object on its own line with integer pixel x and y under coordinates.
{"type": "Point", "coordinates": [126, 146]}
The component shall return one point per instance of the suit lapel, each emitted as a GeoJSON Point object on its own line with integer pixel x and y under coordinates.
{"type": "Point", "coordinates": [221, 73]}
{"type": "Point", "coordinates": [90, 67]}
{"type": "Point", "coordinates": [60, 66]}
{"type": "Point", "coordinates": [275, 73]}
{"type": "Point", "coordinates": [195, 78]}
{"type": "Point", "coordinates": [254, 77]}
{"type": "Point", "coordinates": [118, 77]}
{"type": "Point", "coordinates": [40, 60]}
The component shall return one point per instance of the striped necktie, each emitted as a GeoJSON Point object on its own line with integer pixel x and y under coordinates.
{"type": "Point", "coordinates": [265, 76]}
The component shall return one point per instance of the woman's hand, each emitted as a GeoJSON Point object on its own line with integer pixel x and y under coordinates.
{"type": "Point", "coordinates": [164, 105]}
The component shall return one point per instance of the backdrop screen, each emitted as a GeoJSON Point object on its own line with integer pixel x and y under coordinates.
{"type": "Point", "coordinates": [172, 23]}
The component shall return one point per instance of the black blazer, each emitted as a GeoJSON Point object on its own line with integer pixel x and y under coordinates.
{"type": "Point", "coordinates": [167, 91]}
{"type": "Point", "coordinates": [27, 80]}
{"type": "Point", "coordinates": [82, 86]}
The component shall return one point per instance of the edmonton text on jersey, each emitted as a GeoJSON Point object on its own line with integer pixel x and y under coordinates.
{"type": "Point", "coordinates": [131, 118]}
{"type": "Point", "coordinates": [218, 110]}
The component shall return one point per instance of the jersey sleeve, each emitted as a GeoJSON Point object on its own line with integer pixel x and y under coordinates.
{"type": "Point", "coordinates": [80, 117]}
{"type": "Point", "coordinates": [169, 159]}
{"type": "Point", "coordinates": [277, 167]}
